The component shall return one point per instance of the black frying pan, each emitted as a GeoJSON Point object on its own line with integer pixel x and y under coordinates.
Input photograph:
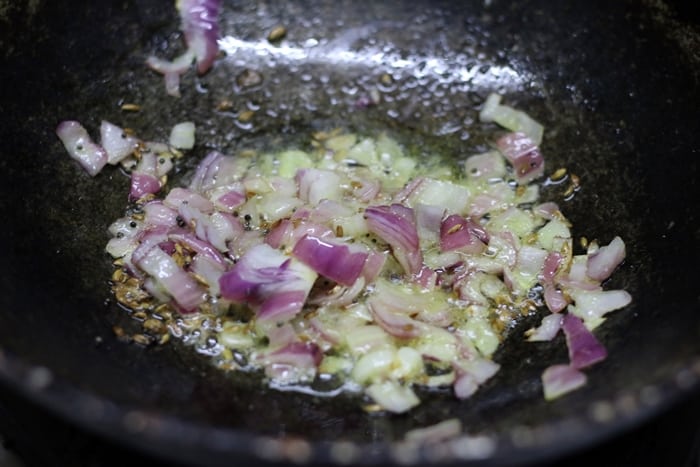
{"type": "Point", "coordinates": [615, 83]}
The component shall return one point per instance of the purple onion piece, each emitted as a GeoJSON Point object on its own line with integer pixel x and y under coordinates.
{"type": "Point", "coordinates": [554, 298]}
{"type": "Point", "coordinates": [330, 259]}
{"type": "Point", "coordinates": [459, 233]}
{"type": "Point", "coordinates": [277, 235]}
{"type": "Point", "coordinates": [523, 154]}
{"type": "Point", "coordinates": [396, 226]}
{"type": "Point", "coordinates": [143, 184]}
{"type": "Point", "coordinates": [185, 290]}
{"type": "Point", "coordinates": [282, 306]}
{"type": "Point", "coordinates": [551, 266]}
{"type": "Point", "coordinates": [201, 28]}
{"type": "Point", "coordinates": [269, 281]}
{"type": "Point", "coordinates": [584, 349]}
{"type": "Point", "coordinates": [231, 200]}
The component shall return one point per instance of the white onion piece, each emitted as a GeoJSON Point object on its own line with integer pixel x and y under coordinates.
{"type": "Point", "coordinates": [182, 135]}
{"type": "Point", "coordinates": [81, 148]}
{"type": "Point", "coordinates": [558, 380]}
{"type": "Point", "coordinates": [510, 118]}
{"type": "Point", "coordinates": [591, 305]}
{"type": "Point", "coordinates": [172, 70]}
{"type": "Point", "coordinates": [119, 247]}
{"type": "Point", "coordinates": [547, 330]}
{"type": "Point", "coordinates": [125, 227]}
{"type": "Point", "coordinates": [488, 111]}
{"type": "Point", "coordinates": [116, 142]}
{"type": "Point", "coordinates": [392, 396]}
{"type": "Point", "coordinates": [182, 196]}
{"type": "Point", "coordinates": [316, 185]}
{"type": "Point", "coordinates": [374, 365]}
{"type": "Point", "coordinates": [487, 166]}
{"type": "Point", "coordinates": [604, 261]}
{"type": "Point", "coordinates": [481, 369]}
{"type": "Point", "coordinates": [465, 386]}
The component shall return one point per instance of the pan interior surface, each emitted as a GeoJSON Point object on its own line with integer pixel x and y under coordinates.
{"type": "Point", "coordinates": [615, 84]}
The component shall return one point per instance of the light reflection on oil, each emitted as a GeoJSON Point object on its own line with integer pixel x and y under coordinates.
{"type": "Point", "coordinates": [458, 68]}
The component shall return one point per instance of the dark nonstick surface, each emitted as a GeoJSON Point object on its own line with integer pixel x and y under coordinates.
{"type": "Point", "coordinates": [616, 85]}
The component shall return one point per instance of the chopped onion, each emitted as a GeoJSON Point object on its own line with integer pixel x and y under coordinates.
{"type": "Point", "coordinates": [316, 185]}
{"type": "Point", "coordinates": [178, 197]}
{"type": "Point", "coordinates": [395, 323]}
{"type": "Point", "coordinates": [558, 380]}
{"type": "Point", "coordinates": [186, 292]}
{"type": "Point", "coordinates": [393, 396]}
{"type": "Point", "coordinates": [548, 328]}
{"type": "Point", "coordinates": [395, 225]}
{"type": "Point", "coordinates": [512, 119]}
{"type": "Point", "coordinates": [465, 386]}
{"type": "Point", "coordinates": [592, 305]}
{"type": "Point", "coordinates": [182, 135]}
{"type": "Point", "coordinates": [158, 214]}
{"type": "Point", "coordinates": [199, 24]}
{"type": "Point", "coordinates": [299, 355]}
{"type": "Point", "coordinates": [554, 298]}
{"type": "Point", "coordinates": [459, 233]}
{"type": "Point", "coordinates": [487, 166]}
{"type": "Point", "coordinates": [143, 184]}
{"type": "Point", "coordinates": [265, 277]}
{"type": "Point", "coordinates": [524, 154]}
{"type": "Point", "coordinates": [338, 262]}
{"type": "Point", "coordinates": [584, 348]}
{"type": "Point", "coordinates": [116, 142]}
{"type": "Point", "coordinates": [80, 147]}
{"type": "Point", "coordinates": [352, 260]}
{"type": "Point", "coordinates": [604, 261]}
